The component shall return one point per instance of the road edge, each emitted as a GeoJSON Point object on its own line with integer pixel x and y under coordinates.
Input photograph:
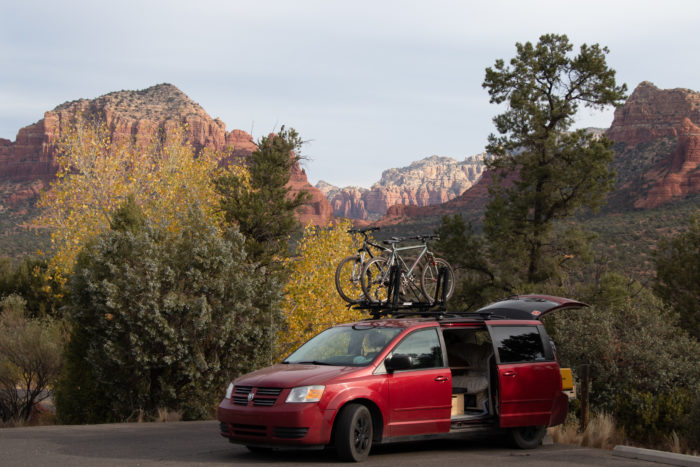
{"type": "Point", "coordinates": [656, 456]}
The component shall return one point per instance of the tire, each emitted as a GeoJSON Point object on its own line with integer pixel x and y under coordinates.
{"type": "Point", "coordinates": [429, 278]}
{"type": "Point", "coordinates": [353, 434]}
{"type": "Point", "coordinates": [348, 276]}
{"type": "Point", "coordinates": [375, 280]}
{"type": "Point", "coordinates": [528, 437]}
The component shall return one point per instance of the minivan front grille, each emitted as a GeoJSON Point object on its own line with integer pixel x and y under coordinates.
{"type": "Point", "coordinates": [262, 397]}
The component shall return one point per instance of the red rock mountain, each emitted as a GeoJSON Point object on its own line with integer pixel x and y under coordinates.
{"type": "Point", "coordinates": [28, 163]}
{"type": "Point", "coordinates": [430, 181]}
{"type": "Point", "coordinates": [657, 133]}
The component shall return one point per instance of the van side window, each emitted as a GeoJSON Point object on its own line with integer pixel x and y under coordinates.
{"type": "Point", "coordinates": [517, 344]}
{"type": "Point", "coordinates": [423, 346]}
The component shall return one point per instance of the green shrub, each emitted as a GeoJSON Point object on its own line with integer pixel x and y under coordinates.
{"type": "Point", "coordinates": [644, 368]}
{"type": "Point", "coordinates": [692, 424]}
{"type": "Point", "coordinates": [77, 396]}
{"type": "Point", "coordinates": [163, 321]}
{"type": "Point", "coordinates": [649, 418]}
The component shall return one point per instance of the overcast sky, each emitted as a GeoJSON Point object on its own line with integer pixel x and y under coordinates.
{"type": "Point", "coordinates": [369, 84]}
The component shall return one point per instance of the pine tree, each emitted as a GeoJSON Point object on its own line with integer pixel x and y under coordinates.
{"type": "Point", "coordinates": [261, 205]}
{"type": "Point", "coordinates": [543, 172]}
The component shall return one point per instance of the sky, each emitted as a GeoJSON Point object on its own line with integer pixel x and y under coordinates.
{"type": "Point", "coordinates": [369, 85]}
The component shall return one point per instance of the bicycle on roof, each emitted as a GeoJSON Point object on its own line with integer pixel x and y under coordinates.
{"type": "Point", "coordinates": [349, 270]}
{"type": "Point", "coordinates": [425, 279]}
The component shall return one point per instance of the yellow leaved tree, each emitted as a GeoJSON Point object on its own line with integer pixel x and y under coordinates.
{"type": "Point", "coordinates": [96, 174]}
{"type": "Point", "coordinates": [312, 303]}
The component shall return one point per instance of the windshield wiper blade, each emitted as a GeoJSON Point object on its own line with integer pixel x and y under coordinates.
{"type": "Point", "coordinates": [313, 362]}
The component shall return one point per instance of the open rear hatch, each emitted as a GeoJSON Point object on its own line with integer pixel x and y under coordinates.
{"type": "Point", "coordinates": [528, 306]}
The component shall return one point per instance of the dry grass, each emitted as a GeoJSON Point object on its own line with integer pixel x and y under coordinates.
{"type": "Point", "coordinates": [601, 433]}
{"type": "Point", "coordinates": [13, 423]}
{"type": "Point", "coordinates": [678, 445]}
{"type": "Point", "coordinates": [166, 415]}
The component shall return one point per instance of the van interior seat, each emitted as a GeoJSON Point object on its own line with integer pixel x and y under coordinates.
{"type": "Point", "coordinates": [475, 358]}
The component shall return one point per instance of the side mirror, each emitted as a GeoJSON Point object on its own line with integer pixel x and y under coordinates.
{"type": "Point", "coordinates": [398, 362]}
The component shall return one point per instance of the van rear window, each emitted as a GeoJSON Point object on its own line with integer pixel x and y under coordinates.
{"type": "Point", "coordinates": [517, 344]}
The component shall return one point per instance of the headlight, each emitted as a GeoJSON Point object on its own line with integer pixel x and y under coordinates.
{"type": "Point", "coordinates": [229, 391]}
{"type": "Point", "coordinates": [306, 394]}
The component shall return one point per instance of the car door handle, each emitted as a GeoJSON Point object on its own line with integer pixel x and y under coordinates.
{"type": "Point", "coordinates": [441, 379]}
{"type": "Point", "coordinates": [509, 373]}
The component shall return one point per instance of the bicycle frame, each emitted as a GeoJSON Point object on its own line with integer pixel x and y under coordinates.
{"type": "Point", "coordinates": [366, 244]}
{"type": "Point", "coordinates": [396, 256]}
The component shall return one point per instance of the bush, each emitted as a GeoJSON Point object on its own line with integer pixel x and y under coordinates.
{"type": "Point", "coordinates": [644, 368]}
{"type": "Point", "coordinates": [692, 424]}
{"type": "Point", "coordinates": [649, 418]}
{"type": "Point", "coordinates": [163, 321]}
{"type": "Point", "coordinates": [77, 395]}
{"type": "Point", "coordinates": [30, 359]}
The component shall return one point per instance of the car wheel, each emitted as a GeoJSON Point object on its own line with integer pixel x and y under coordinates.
{"type": "Point", "coordinates": [354, 431]}
{"type": "Point", "coordinates": [527, 437]}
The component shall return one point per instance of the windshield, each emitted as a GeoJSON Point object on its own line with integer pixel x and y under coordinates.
{"type": "Point", "coordinates": [354, 345]}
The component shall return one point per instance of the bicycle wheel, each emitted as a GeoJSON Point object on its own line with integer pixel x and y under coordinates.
{"type": "Point", "coordinates": [375, 280]}
{"type": "Point", "coordinates": [347, 279]}
{"type": "Point", "coordinates": [429, 279]}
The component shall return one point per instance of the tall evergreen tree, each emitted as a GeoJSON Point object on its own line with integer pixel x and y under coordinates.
{"type": "Point", "coordinates": [261, 205]}
{"type": "Point", "coordinates": [544, 173]}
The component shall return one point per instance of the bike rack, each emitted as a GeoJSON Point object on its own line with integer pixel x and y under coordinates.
{"type": "Point", "coordinates": [395, 306]}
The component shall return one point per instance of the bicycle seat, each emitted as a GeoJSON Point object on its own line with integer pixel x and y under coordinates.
{"type": "Point", "coordinates": [393, 241]}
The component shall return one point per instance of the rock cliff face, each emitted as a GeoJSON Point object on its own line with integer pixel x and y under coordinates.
{"type": "Point", "coordinates": [318, 210]}
{"type": "Point", "coordinates": [658, 145]}
{"type": "Point", "coordinates": [434, 180]}
{"type": "Point", "coordinates": [30, 159]}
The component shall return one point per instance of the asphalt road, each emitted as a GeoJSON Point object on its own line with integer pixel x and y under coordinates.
{"type": "Point", "coordinates": [199, 443]}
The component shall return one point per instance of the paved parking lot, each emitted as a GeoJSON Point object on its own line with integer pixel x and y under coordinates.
{"type": "Point", "coordinates": [198, 443]}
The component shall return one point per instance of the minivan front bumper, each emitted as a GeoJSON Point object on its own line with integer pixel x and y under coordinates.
{"type": "Point", "coordinates": [285, 424]}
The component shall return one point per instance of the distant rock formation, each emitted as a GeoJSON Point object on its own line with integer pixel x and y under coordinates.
{"type": "Point", "coordinates": [657, 133]}
{"type": "Point", "coordinates": [430, 181]}
{"type": "Point", "coordinates": [28, 163]}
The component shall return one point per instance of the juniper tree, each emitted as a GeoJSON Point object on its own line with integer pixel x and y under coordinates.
{"type": "Point", "coordinates": [163, 320]}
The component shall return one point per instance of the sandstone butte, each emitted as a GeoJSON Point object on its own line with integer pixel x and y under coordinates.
{"type": "Point", "coordinates": [27, 165]}
{"type": "Point", "coordinates": [649, 114]}
{"type": "Point", "coordinates": [433, 180]}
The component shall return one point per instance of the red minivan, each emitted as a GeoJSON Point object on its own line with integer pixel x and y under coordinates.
{"type": "Point", "coordinates": [401, 379]}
